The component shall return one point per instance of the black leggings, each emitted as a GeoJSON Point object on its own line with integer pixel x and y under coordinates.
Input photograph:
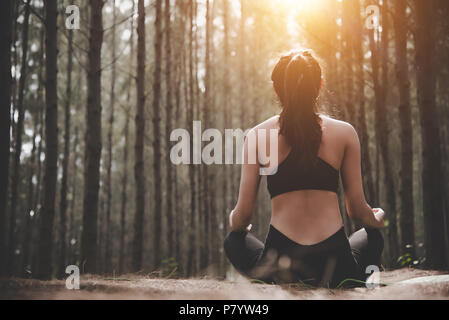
{"type": "Point", "coordinates": [325, 264]}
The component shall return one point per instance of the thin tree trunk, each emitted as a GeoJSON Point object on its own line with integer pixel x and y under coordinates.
{"type": "Point", "coordinates": [16, 14]}
{"type": "Point", "coordinates": [381, 125]}
{"type": "Point", "coordinates": [5, 119]}
{"type": "Point", "coordinates": [139, 168]}
{"type": "Point", "coordinates": [124, 201]}
{"type": "Point", "coordinates": [206, 242]}
{"type": "Point", "coordinates": [65, 162]}
{"type": "Point", "coordinates": [347, 57]}
{"type": "Point", "coordinates": [37, 198]}
{"type": "Point", "coordinates": [242, 67]}
{"type": "Point", "coordinates": [29, 213]}
{"type": "Point", "coordinates": [124, 198]}
{"type": "Point", "coordinates": [405, 115]}
{"type": "Point", "coordinates": [93, 140]}
{"type": "Point", "coordinates": [227, 117]}
{"type": "Point", "coordinates": [168, 128]}
{"type": "Point", "coordinates": [192, 237]}
{"type": "Point", "coordinates": [360, 100]}
{"type": "Point", "coordinates": [16, 170]}
{"type": "Point", "coordinates": [73, 233]}
{"type": "Point", "coordinates": [179, 76]}
{"type": "Point", "coordinates": [156, 133]}
{"type": "Point", "coordinates": [108, 254]}
{"type": "Point", "coordinates": [45, 248]}
{"type": "Point", "coordinates": [383, 130]}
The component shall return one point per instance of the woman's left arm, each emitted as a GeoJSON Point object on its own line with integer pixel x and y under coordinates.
{"type": "Point", "coordinates": [242, 214]}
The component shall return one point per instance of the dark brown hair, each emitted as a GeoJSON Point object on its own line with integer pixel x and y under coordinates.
{"type": "Point", "coordinates": [297, 82]}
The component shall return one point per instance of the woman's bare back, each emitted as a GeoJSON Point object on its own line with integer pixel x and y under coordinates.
{"type": "Point", "coordinates": [310, 216]}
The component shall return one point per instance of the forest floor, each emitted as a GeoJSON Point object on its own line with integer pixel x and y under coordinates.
{"type": "Point", "coordinates": [141, 287]}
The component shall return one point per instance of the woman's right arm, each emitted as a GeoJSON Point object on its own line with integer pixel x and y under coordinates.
{"type": "Point", "coordinates": [351, 174]}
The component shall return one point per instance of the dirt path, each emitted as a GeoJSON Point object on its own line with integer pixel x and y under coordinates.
{"type": "Point", "coordinates": [134, 287]}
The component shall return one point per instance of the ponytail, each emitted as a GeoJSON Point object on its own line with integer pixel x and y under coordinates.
{"type": "Point", "coordinates": [297, 82]}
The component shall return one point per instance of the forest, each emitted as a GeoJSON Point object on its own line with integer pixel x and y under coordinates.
{"type": "Point", "coordinates": [91, 91]}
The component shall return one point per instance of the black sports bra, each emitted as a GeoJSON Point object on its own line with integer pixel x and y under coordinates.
{"type": "Point", "coordinates": [291, 177]}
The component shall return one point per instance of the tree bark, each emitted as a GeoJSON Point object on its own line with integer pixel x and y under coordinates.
{"type": "Point", "coordinates": [347, 58]}
{"type": "Point", "coordinates": [157, 133]}
{"type": "Point", "coordinates": [406, 218]}
{"type": "Point", "coordinates": [191, 269]}
{"type": "Point", "coordinates": [73, 231]}
{"type": "Point", "coordinates": [227, 118]}
{"type": "Point", "coordinates": [168, 128]}
{"type": "Point", "coordinates": [108, 254]}
{"type": "Point", "coordinates": [16, 169]}
{"type": "Point", "coordinates": [380, 81]}
{"type": "Point", "coordinates": [45, 247]}
{"type": "Point", "coordinates": [5, 119]}
{"type": "Point", "coordinates": [139, 168]}
{"type": "Point", "coordinates": [93, 140]}
{"type": "Point", "coordinates": [121, 263]}
{"type": "Point", "coordinates": [360, 100]}
{"type": "Point", "coordinates": [65, 161]}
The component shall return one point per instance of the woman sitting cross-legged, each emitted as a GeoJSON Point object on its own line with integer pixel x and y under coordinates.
{"type": "Point", "coordinates": [306, 241]}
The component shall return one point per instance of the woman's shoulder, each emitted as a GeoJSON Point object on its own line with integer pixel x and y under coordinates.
{"type": "Point", "coordinates": [339, 130]}
{"type": "Point", "coordinates": [335, 124]}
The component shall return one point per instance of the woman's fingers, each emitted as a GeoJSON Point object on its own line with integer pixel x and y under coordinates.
{"type": "Point", "coordinates": [379, 212]}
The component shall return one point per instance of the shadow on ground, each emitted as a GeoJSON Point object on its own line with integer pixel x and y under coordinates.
{"type": "Point", "coordinates": [139, 287]}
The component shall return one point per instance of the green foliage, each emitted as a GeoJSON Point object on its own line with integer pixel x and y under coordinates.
{"type": "Point", "coordinates": [407, 260]}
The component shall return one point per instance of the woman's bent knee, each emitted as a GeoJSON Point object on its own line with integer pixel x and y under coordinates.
{"type": "Point", "coordinates": [232, 241]}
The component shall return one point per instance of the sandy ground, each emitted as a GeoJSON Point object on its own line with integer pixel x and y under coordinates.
{"type": "Point", "coordinates": [140, 287]}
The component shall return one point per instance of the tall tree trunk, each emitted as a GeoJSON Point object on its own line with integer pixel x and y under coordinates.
{"type": "Point", "coordinates": [348, 76]}
{"type": "Point", "coordinates": [168, 128]}
{"type": "Point", "coordinates": [180, 79]}
{"type": "Point", "coordinates": [360, 100]}
{"type": "Point", "coordinates": [432, 184]}
{"type": "Point", "coordinates": [192, 170]}
{"type": "Point", "coordinates": [405, 115]}
{"type": "Point", "coordinates": [29, 212]}
{"type": "Point", "coordinates": [382, 128]}
{"type": "Point", "coordinates": [139, 168]}
{"type": "Point", "coordinates": [121, 263]}
{"type": "Point", "coordinates": [73, 232]}
{"type": "Point", "coordinates": [16, 13]}
{"type": "Point", "coordinates": [38, 196]}
{"type": "Point", "coordinates": [242, 66]}
{"type": "Point", "coordinates": [227, 118]}
{"type": "Point", "coordinates": [156, 133]}
{"type": "Point", "coordinates": [347, 58]}
{"type": "Point", "coordinates": [210, 215]}
{"type": "Point", "coordinates": [18, 145]}
{"type": "Point", "coordinates": [65, 161]}
{"type": "Point", "coordinates": [108, 254]}
{"type": "Point", "coordinates": [197, 111]}
{"type": "Point", "coordinates": [35, 168]}
{"type": "Point", "coordinates": [93, 141]}
{"type": "Point", "coordinates": [44, 270]}
{"type": "Point", "coordinates": [5, 119]}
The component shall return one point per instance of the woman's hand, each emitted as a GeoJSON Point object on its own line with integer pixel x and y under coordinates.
{"type": "Point", "coordinates": [379, 214]}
